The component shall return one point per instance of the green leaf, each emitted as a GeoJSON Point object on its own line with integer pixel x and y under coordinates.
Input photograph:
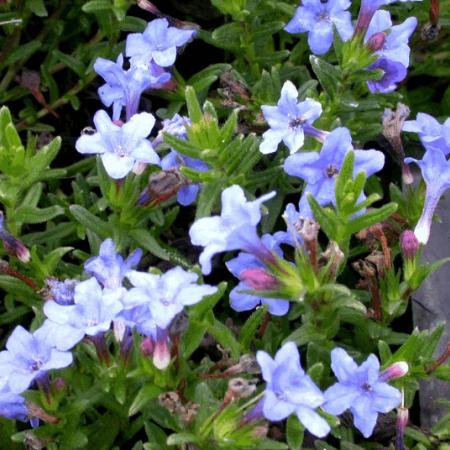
{"type": "Point", "coordinates": [193, 105]}
{"type": "Point", "coordinates": [224, 336]}
{"type": "Point", "coordinates": [250, 327]}
{"type": "Point", "coordinates": [209, 195]}
{"type": "Point", "coordinates": [132, 24]}
{"type": "Point", "coordinates": [91, 222]}
{"type": "Point", "coordinates": [370, 218]}
{"type": "Point", "coordinates": [37, 7]}
{"type": "Point", "coordinates": [97, 6]}
{"type": "Point", "coordinates": [192, 337]}
{"type": "Point", "coordinates": [181, 438]}
{"type": "Point", "coordinates": [345, 174]}
{"type": "Point", "coordinates": [228, 36]}
{"type": "Point", "coordinates": [23, 52]}
{"type": "Point", "coordinates": [72, 63]}
{"type": "Point", "coordinates": [29, 214]}
{"type": "Point", "coordinates": [294, 432]}
{"type": "Point", "coordinates": [145, 239]}
{"type": "Point", "coordinates": [142, 398]}
{"type": "Point", "coordinates": [384, 352]}
{"type": "Point", "coordinates": [325, 221]}
{"type": "Point", "coordinates": [329, 76]}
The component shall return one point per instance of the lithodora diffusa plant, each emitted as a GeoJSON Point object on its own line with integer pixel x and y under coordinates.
{"type": "Point", "coordinates": [121, 327]}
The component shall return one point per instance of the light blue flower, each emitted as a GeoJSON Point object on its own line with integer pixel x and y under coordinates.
{"type": "Point", "coordinates": [167, 294]}
{"type": "Point", "coordinates": [290, 390]}
{"type": "Point", "coordinates": [393, 73]}
{"type": "Point", "coordinates": [362, 389]}
{"type": "Point", "coordinates": [92, 313]}
{"type": "Point", "coordinates": [319, 169]}
{"type": "Point", "coordinates": [242, 301]}
{"type": "Point", "coordinates": [12, 406]}
{"type": "Point", "coordinates": [234, 229]}
{"type": "Point", "coordinates": [432, 134]}
{"type": "Point", "coordinates": [28, 356]}
{"type": "Point", "coordinates": [317, 18]}
{"type": "Point", "coordinates": [289, 120]}
{"type": "Point", "coordinates": [124, 88]}
{"type": "Point", "coordinates": [120, 147]}
{"type": "Point", "coordinates": [61, 292]}
{"type": "Point", "coordinates": [158, 42]}
{"type": "Point", "coordinates": [436, 173]}
{"type": "Point", "coordinates": [109, 267]}
{"type": "Point", "coordinates": [395, 46]}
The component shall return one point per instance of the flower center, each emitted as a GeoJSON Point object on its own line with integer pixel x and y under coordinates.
{"type": "Point", "coordinates": [366, 387]}
{"type": "Point", "coordinates": [121, 151]}
{"type": "Point", "coordinates": [323, 16]}
{"type": "Point", "coordinates": [297, 122]}
{"type": "Point", "coordinates": [331, 170]}
{"type": "Point", "coordinates": [36, 365]}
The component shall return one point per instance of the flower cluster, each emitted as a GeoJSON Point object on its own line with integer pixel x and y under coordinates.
{"type": "Point", "coordinates": [123, 145]}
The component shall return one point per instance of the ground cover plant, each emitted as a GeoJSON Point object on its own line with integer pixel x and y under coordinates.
{"type": "Point", "coordinates": [221, 249]}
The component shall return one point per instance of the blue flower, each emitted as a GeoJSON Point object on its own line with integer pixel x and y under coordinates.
{"type": "Point", "coordinates": [120, 147]}
{"type": "Point", "coordinates": [167, 294]}
{"type": "Point", "coordinates": [319, 170]}
{"type": "Point", "coordinates": [242, 301]}
{"type": "Point", "coordinates": [289, 120]}
{"type": "Point", "coordinates": [318, 18]}
{"type": "Point", "coordinates": [432, 134]}
{"type": "Point", "coordinates": [158, 42]}
{"type": "Point", "coordinates": [29, 356]}
{"type": "Point", "coordinates": [12, 406]}
{"type": "Point", "coordinates": [124, 88]}
{"type": "Point", "coordinates": [109, 267]}
{"type": "Point", "coordinates": [234, 229]}
{"type": "Point", "coordinates": [436, 173]}
{"type": "Point", "coordinates": [290, 390]}
{"type": "Point", "coordinates": [362, 389]}
{"type": "Point", "coordinates": [395, 46]}
{"type": "Point", "coordinates": [393, 72]}
{"type": "Point", "coordinates": [62, 292]}
{"type": "Point", "coordinates": [92, 313]}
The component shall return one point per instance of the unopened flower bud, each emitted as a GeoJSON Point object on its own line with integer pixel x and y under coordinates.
{"type": "Point", "coordinates": [161, 354]}
{"type": "Point", "coordinates": [376, 41]}
{"type": "Point", "coordinates": [147, 346]}
{"type": "Point", "coordinates": [401, 424]}
{"type": "Point", "coordinates": [259, 279]}
{"type": "Point", "coordinates": [396, 370]}
{"type": "Point", "coordinates": [260, 431]}
{"type": "Point", "coordinates": [59, 384]}
{"type": "Point", "coordinates": [409, 244]}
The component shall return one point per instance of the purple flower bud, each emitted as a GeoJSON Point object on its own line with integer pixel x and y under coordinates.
{"type": "Point", "coordinates": [147, 346]}
{"type": "Point", "coordinates": [376, 41]}
{"type": "Point", "coordinates": [396, 370]}
{"type": "Point", "coordinates": [401, 423]}
{"type": "Point", "coordinates": [12, 245]}
{"type": "Point", "coordinates": [409, 244]}
{"type": "Point", "coordinates": [259, 279]}
{"type": "Point", "coordinates": [161, 353]}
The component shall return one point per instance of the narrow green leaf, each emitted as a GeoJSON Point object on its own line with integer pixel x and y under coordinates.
{"type": "Point", "coordinates": [145, 394]}
{"type": "Point", "coordinates": [328, 75]}
{"type": "Point", "coordinates": [294, 432]}
{"type": "Point", "coordinates": [29, 214]}
{"type": "Point", "coordinates": [250, 327]}
{"type": "Point", "coordinates": [325, 222]}
{"type": "Point", "coordinates": [91, 222]}
{"type": "Point", "coordinates": [193, 105]}
{"type": "Point", "coordinates": [228, 128]}
{"type": "Point", "coordinates": [228, 36]}
{"type": "Point", "coordinates": [224, 336]}
{"type": "Point", "coordinates": [144, 238]}
{"type": "Point", "coordinates": [181, 438]}
{"type": "Point", "coordinates": [37, 7]}
{"type": "Point", "coordinates": [72, 63]}
{"type": "Point", "coordinates": [209, 195]}
{"type": "Point", "coordinates": [182, 146]}
{"type": "Point", "coordinates": [23, 52]}
{"type": "Point", "coordinates": [97, 6]}
{"type": "Point", "coordinates": [370, 218]}
{"type": "Point", "coordinates": [345, 175]}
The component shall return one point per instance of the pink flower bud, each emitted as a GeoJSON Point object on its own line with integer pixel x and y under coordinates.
{"type": "Point", "coordinates": [117, 122]}
{"type": "Point", "coordinates": [259, 279]}
{"type": "Point", "coordinates": [376, 41]}
{"type": "Point", "coordinates": [409, 244]}
{"type": "Point", "coordinates": [15, 247]}
{"type": "Point", "coordinates": [161, 354]}
{"type": "Point", "coordinates": [147, 346]}
{"type": "Point", "coordinates": [396, 370]}
{"type": "Point", "coordinates": [401, 423]}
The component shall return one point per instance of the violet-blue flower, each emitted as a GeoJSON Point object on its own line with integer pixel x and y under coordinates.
{"type": "Point", "coordinates": [436, 174]}
{"type": "Point", "coordinates": [290, 390]}
{"type": "Point", "coordinates": [62, 292]}
{"type": "Point", "coordinates": [234, 229]}
{"type": "Point", "coordinates": [362, 389]}
{"type": "Point", "coordinates": [290, 120]}
{"type": "Point", "coordinates": [167, 294]}
{"type": "Point", "coordinates": [109, 267]}
{"type": "Point", "coordinates": [12, 406]}
{"type": "Point", "coordinates": [317, 18]}
{"type": "Point", "coordinates": [28, 356]}
{"type": "Point", "coordinates": [395, 46]}
{"type": "Point", "coordinates": [319, 169]}
{"type": "Point", "coordinates": [243, 301]}
{"type": "Point", "coordinates": [124, 88]}
{"type": "Point", "coordinates": [432, 133]}
{"type": "Point", "coordinates": [393, 72]}
{"type": "Point", "coordinates": [93, 311]}
{"type": "Point", "coordinates": [120, 147]}
{"type": "Point", "coordinates": [158, 42]}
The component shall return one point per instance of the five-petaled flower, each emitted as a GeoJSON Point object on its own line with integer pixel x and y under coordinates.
{"type": "Point", "coordinates": [318, 18]}
{"type": "Point", "coordinates": [290, 390]}
{"type": "Point", "coordinates": [362, 389]}
{"type": "Point", "coordinates": [319, 170]}
{"type": "Point", "coordinates": [234, 229]}
{"type": "Point", "coordinates": [290, 120]}
{"type": "Point", "coordinates": [120, 147]}
{"type": "Point", "coordinates": [158, 42]}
